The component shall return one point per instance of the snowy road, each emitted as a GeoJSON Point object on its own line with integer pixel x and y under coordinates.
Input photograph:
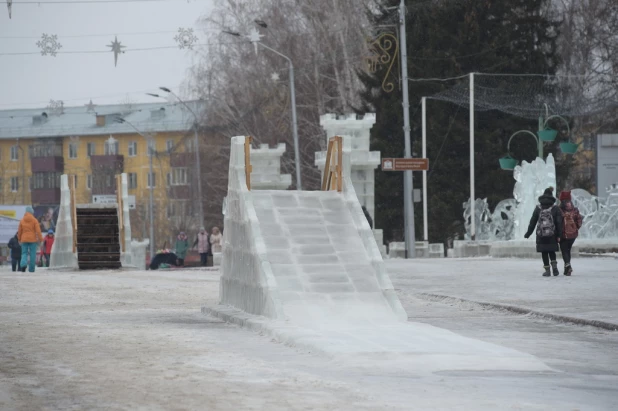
{"type": "Point", "coordinates": [137, 340]}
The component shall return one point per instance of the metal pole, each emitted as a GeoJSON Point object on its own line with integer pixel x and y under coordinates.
{"type": "Point", "coordinates": [199, 177]}
{"type": "Point", "coordinates": [295, 128]}
{"type": "Point", "coordinates": [472, 194]}
{"type": "Point", "coordinates": [424, 140]}
{"type": "Point", "coordinates": [408, 185]}
{"type": "Point", "coordinates": [151, 212]}
{"type": "Point", "coordinates": [294, 122]}
{"type": "Point", "coordinates": [540, 143]}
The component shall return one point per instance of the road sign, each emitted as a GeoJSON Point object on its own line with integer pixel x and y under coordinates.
{"type": "Point", "coordinates": [104, 199]}
{"type": "Point", "coordinates": [405, 164]}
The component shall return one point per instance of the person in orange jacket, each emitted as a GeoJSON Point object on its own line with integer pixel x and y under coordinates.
{"type": "Point", "coordinates": [47, 246]}
{"type": "Point", "coordinates": [29, 236]}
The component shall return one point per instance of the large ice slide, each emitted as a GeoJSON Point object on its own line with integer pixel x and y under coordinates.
{"type": "Point", "coordinates": [308, 256]}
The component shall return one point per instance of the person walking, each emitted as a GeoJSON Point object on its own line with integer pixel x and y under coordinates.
{"type": "Point", "coordinates": [203, 246]}
{"type": "Point", "coordinates": [48, 242]}
{"type": "Point", "coordinates": [15, 248]}
{"type": "Point", "coordinates": [29, 235]}
{"type": "Point", "coordinates": [182, 247]}
{"type": "Point", "coordinates": [572, 221]}
{"type": "Point", "coordinates": [548, 221]}
{"type": "Point", "coordinates": [215, 240]}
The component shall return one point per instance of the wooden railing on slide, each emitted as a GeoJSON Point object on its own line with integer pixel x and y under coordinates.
{"type": "Point", "coordinates": [333, 168]}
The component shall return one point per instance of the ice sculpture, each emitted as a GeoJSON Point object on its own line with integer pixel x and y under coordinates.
{"type": "Point", "coordinates": [600, 215]}
{"type": "Point", "coordinates": [509, 220]}
{"type": "Point", "coordinates": [531, 180]}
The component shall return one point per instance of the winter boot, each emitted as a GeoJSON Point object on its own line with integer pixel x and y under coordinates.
{"type": "Point", "coordinates": [554, 268]}
{"type": "Point", "coordinates": [546, 273]}
{"type": "Point", "coordinates": [568, 270]}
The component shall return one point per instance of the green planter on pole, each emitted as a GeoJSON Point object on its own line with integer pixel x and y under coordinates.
{"type": "Point", "coordinates": [548, 134]}
{"type": "Point", "coordinates": [508, 163]}
{"type": "Point", "coordinates": [569, 148]}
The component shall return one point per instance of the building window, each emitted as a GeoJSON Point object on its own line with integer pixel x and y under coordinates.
{"type": "Point", "coordinates": [189, 145]}
{"type": "Point", "coordinates": [72, 150]}
{"type": "Point", "coordinates": [14, 184]}
{"type": "Point", "coordinates": [111, 149]}
{"type": "Point", "coordinates": [14, 153]}
{"type": "Point", "coordinates": [132, 148]}
{"type": "Point", "coordinates": [91, 149]}
{"type": "Point", "coordinates": [89, 182]}
{"type": "Point", "coordinates": [132, 181]}
{"type": "Point", "coordinates": [152, 180]}
{"type": "Point", "coordinates": [169, 179]}
{"type": "Point", "coordinates": [169, 145]}
{"type": "Point", "coordinates": [46, 180]}
{"type": "Point", "coordinates": [152, 146]}
{"type": "Point", "coordinates": [179, 176]}
{"type": "Point", "coordinates": [176, 208]}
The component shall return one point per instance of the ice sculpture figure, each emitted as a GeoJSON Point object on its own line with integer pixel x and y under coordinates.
{"type": "Point", "coordinates": [600, 215]}
{"type": "Point", "coordinates": [531, 180]}
{"type": "Point", "coordinates": [482, 219]}
{"type": "Point", "coordinates": [502, 220]}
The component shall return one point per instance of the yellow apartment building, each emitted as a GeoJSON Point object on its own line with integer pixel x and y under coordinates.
{"type": "Point", "coordinates": [95, 144]}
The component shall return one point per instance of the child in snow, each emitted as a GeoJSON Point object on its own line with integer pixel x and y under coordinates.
{"type": "Point", "coordinates": [572, 221]}
{"type": "Point", "coordinates": [47, 246]}
{"type": "Point", "coordinates": [547, 218]}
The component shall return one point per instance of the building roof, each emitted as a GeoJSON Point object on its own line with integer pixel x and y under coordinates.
{"type": "Point", "coordinates": [78, 121]}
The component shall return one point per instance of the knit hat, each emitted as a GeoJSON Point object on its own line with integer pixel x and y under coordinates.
{"type": "Point", "coordinates": [50, 231]}
{"type": "Point", "coordinates": [549, 191]}
{"type": "Point", "coordinates": [565, 196]}
{"type": "Point", "coordinates": [29, 210]}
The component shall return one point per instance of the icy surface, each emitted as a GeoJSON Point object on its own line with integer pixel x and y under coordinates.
{"type": "Point", "coordinates": [600, 214]}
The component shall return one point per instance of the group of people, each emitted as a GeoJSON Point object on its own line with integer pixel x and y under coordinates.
{"type": "Point", "coordinates": [24, 244]}
{"type": "Point", "coordinates": [206, 244]}
{"type": "Point", "coordinates": [557, 227]}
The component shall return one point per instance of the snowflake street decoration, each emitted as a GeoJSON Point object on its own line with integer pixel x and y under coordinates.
{"type": "Point", "coordinates": [254, 37]}
{"type": "Point", "coordinates": [274, 77]}
{"type": "Point", "coordinates": [49, 45]}
{"type": "Point", "coordinates": [185, 38]}
{"type": "Point", "coordinates": [90, 107]}
{"type": "Point", "coordinates": [9, 3]}
{"type": "Point", "coordinates": [56, 107]}
{"type": "Point", "coordinates": [116, 49]}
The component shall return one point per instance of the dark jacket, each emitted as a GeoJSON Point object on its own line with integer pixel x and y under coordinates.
{"type": "Point", "coordinates": [546, 243]}
{"type": "Point", "coordinates": [15, 248]}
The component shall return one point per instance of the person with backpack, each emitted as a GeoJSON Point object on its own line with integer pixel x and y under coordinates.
{"type": "Point", "coordinates": [547, 218]}
{"type": "Point", "coordinates": [572, 221]}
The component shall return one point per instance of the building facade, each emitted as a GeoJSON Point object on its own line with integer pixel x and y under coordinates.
{"type": "Point", "coordinates": [38, 145]}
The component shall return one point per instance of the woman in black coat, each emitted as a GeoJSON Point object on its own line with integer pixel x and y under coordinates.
{"type": "Point", "coordinates": [547, 245]}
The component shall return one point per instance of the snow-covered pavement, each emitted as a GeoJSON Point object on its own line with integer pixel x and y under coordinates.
{"type": "Point", "coordinates": [591, 293]}
{"type": "Point", "coordinates": [137, 340]}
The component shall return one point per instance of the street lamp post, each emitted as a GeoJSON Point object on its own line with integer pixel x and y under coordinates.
{"type": "Point", "coordinates": [197, 151]}
{"type": "Point", "coordinates": [149, 139]}
{"type": "Point", "coordinates": [255, 40]}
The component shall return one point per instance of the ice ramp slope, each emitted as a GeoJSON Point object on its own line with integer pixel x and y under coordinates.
{"type": "Point", "coordinates": [306, 256]}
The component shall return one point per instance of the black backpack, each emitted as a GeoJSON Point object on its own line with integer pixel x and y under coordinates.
{"type": "Point", "coordinates": [545, 227]}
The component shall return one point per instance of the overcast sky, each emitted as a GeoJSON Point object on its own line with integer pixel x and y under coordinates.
{"type": "Point", "coordinates": [33, 80]}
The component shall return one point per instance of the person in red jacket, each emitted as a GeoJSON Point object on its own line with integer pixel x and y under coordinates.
{"type": "Point", "coordinates": [47, 246]}
{"type": "Point", "coordinates": [573, 221]}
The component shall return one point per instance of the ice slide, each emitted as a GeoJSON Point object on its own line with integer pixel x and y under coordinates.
{"type": "Point", "coordinates": [307, 256]}
{"type": "Point", "coordinates": [92, 236]}
{"type": "Point", "coordinates": [304, 267]}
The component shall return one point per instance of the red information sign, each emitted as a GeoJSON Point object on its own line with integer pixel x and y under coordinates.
{"type": "Point", "coordinates": [405, 164]}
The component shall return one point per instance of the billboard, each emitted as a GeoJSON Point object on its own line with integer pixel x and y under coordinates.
{"type": "Point", "coordinates": [8, 228]}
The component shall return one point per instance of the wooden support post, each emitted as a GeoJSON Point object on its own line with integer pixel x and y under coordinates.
{"type": "Point", "coordinates": [333, 166]}
{"type": "Point", "coordinates": [71, 179]}
{"type": "Point", "coordinates": [339, 141]}
{"type": "Point", "coordinates": [248, 167]}
{"type": "Point", "coordinates": [120, 210]}
{"type": "Point", "coordinates": [326, 177]}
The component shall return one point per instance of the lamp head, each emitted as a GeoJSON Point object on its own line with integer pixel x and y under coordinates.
{"type": "Point", "coordinates": [153, 95]}
{"type": "Point", "coordinates": [231, 33]}
{"type": "Point", "coordinates": [260, 23]}
{"type": "Point", "coordinates": [167, 90]}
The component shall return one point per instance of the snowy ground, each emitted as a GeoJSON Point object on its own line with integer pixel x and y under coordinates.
{"type": "Point", "coordinates": [137, 340]}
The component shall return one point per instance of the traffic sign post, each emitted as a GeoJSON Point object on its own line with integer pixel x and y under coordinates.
{"type": "Point", "coordinates": [405, 164]}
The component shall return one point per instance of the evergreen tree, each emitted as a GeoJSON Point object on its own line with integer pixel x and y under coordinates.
{"type": "Point", "coordinates": [450, 40]}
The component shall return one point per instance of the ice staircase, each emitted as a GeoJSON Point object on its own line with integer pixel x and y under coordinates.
{"type": "Point", "coordinates": [92, 236]}
{"type": "Point", "coordinates": [98, 237]}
